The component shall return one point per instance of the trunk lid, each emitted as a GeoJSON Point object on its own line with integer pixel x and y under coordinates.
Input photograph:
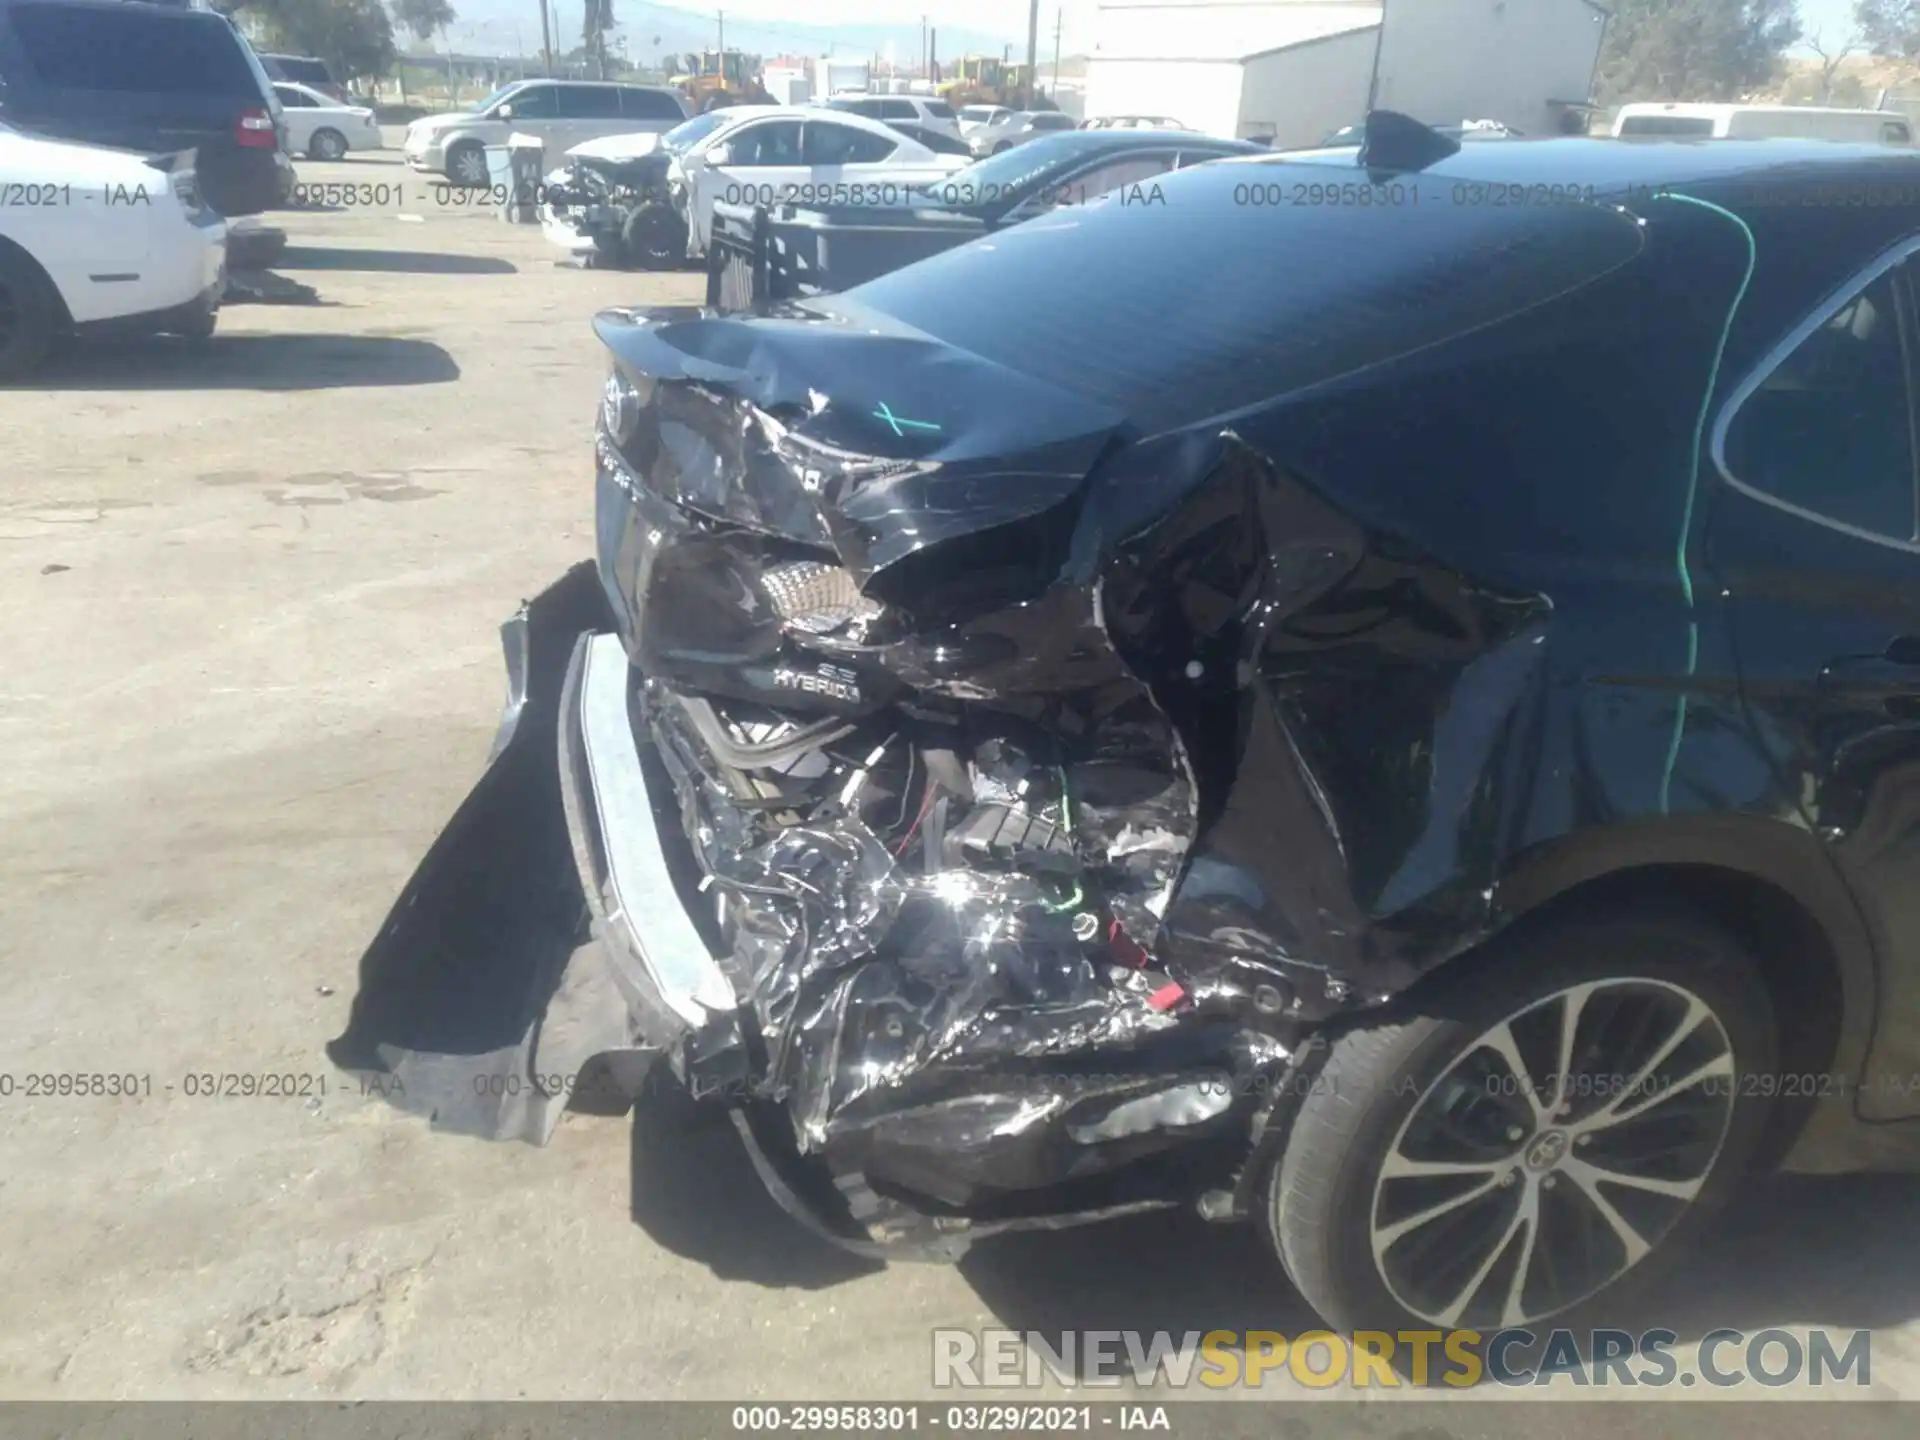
{"type": "Point", "coordinates": [849, 431]}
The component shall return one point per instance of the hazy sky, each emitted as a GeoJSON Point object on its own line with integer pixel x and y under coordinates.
{"type": "Point", "coordinates": [1008, 17]}
{"type": "Point", "coordinates": [1833, 19]}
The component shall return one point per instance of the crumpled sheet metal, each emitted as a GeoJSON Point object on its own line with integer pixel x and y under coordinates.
{"type": "Point", "coordinates": [1151, 607]}
{"type": "Point", "coordinates": [866, 973]}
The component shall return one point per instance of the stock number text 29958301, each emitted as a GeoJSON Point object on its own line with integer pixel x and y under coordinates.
{"type": "Point", "coordinates": [1403, 194]}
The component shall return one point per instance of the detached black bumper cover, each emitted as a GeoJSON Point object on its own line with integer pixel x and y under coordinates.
{"type": "Point", "coordinates": [486, 990]}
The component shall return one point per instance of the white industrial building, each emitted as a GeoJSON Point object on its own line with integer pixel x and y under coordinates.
{"type": "Point", "coordinates": [1292, 71]}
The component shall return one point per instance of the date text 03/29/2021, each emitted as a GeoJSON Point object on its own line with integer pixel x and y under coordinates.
{"type": "Point", "coordinates": [989, 1419]}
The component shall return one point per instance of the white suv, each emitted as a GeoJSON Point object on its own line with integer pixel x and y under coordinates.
{"type": "Point", "coordinates": [935, 115]}
{"type": "Point", "coordinates": [100, 240]}
{"type": "Point", "coordinates": [562, 113]}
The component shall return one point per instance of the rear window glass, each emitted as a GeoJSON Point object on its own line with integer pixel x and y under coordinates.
{"type": "Point", "coordinates": [1201, 301]}
{"type": "Point", "coordinates": [130, 48]}
{"type": "Point", "coordinates": [1666, 125]}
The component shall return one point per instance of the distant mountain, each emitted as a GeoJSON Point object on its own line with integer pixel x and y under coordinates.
{"type": "Point", "coordinates": [497, 26]}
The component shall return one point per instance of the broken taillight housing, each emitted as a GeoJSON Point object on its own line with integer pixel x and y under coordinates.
{"type": "Point", "coordinates": [255, 130]}
{"type": "Point", "coordinates": [620, 405]}
{"type": "Point", "coordinates": [815, 597]}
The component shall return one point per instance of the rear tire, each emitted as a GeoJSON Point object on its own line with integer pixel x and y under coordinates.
{"type": "Point", "coordinates": [1545, 1211]}
{"type": "Point", "coordinates": [326, 145]}
{"type": "Point", "coordinates": [29, 317]}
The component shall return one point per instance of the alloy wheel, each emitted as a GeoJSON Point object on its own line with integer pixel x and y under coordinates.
{"type": "Point", "coordinates": [470, 166]}
{"type": "Point", "coordinates": [1553, 1153]}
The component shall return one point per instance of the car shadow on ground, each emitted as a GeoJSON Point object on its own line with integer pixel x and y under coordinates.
{"type": "Point", "coordinates": [391, 262]}
{"type": "Point", "coordinates": [1832, 1251]}
{"type": "Point", "coordinates": [248, 362]}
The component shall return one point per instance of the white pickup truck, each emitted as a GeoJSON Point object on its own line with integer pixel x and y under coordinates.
{"type": "Point", "coordinates": [99, 241]}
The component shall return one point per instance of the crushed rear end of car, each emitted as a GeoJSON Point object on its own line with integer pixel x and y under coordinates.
{"type": "Point", "coordinates": [942, 764]}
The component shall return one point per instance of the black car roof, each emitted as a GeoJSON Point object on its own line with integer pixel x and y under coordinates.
{"type": "Point", "coordinates": [1091, 142]}
{"type": "Point", "coordinates": [1609, 164]}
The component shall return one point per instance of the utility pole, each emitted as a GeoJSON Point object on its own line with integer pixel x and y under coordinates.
{"type": "Point", "coordinates": [546, 39]}
{"type": "Point", "coordinates": [1033, 46]}
{"type": "Point", "coordinates": [721, 17]}
{"type": "Point", "coordinates": [923, 44]}
{"type": "Point", "coordinates": [1059, 17]}
{"type": "Point", "coordinates": [933, 56]}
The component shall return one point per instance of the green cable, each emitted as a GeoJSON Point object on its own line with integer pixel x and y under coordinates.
{"type": "Point", "coordinates": [1066, 823]}
{"type": "Point", "coordinates": [1693, 491]}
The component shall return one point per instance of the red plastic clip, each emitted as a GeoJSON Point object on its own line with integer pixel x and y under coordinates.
{"type": "Point", "coordinates": [1167, 996]}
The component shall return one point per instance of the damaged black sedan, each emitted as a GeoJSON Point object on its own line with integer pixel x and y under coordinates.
{"type": "Point", "coordinates": [1387, 719]}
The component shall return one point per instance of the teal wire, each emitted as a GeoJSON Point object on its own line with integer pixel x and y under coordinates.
{"type": "Point", "coordinates": [1066, 824]}
{"type": "Point", "coordinates": [1693, 491]}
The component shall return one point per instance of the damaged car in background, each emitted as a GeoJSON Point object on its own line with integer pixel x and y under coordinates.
{"type": "Point", "coordinates": [626, 202]}
{"type": "Point", "coordinates": [613, 200]}
{"type": "Point", "coordinates": [1286, 743]}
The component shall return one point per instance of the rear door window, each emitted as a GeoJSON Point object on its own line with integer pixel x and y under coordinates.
{"type": "Point", "coordinates": [940, 110]}
{"type": "Point", "coordinates": [132, 48]}
{"type": "Point", "coordinates": [588, 102]}
{"type": "Point", "coordinates": [292, 98]}
{"type": "Point", "coordinates": [1829, 430]}
{"type": "Point", "coordinates": [898, 110]}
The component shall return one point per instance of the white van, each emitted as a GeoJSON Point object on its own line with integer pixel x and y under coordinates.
{"type": "Point", "coordinates": [1656, 121]}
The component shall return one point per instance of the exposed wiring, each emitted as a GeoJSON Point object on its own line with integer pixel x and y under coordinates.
{"type": "Point", "coordinates": [932, 792]}
{"type": "Point", "coordinates": [1681, 563]}
{"type": "Point", "coordinates": [1072, 902]}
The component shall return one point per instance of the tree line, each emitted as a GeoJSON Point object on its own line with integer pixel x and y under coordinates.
{"type": "Point", "coordinates": [360, 38]}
